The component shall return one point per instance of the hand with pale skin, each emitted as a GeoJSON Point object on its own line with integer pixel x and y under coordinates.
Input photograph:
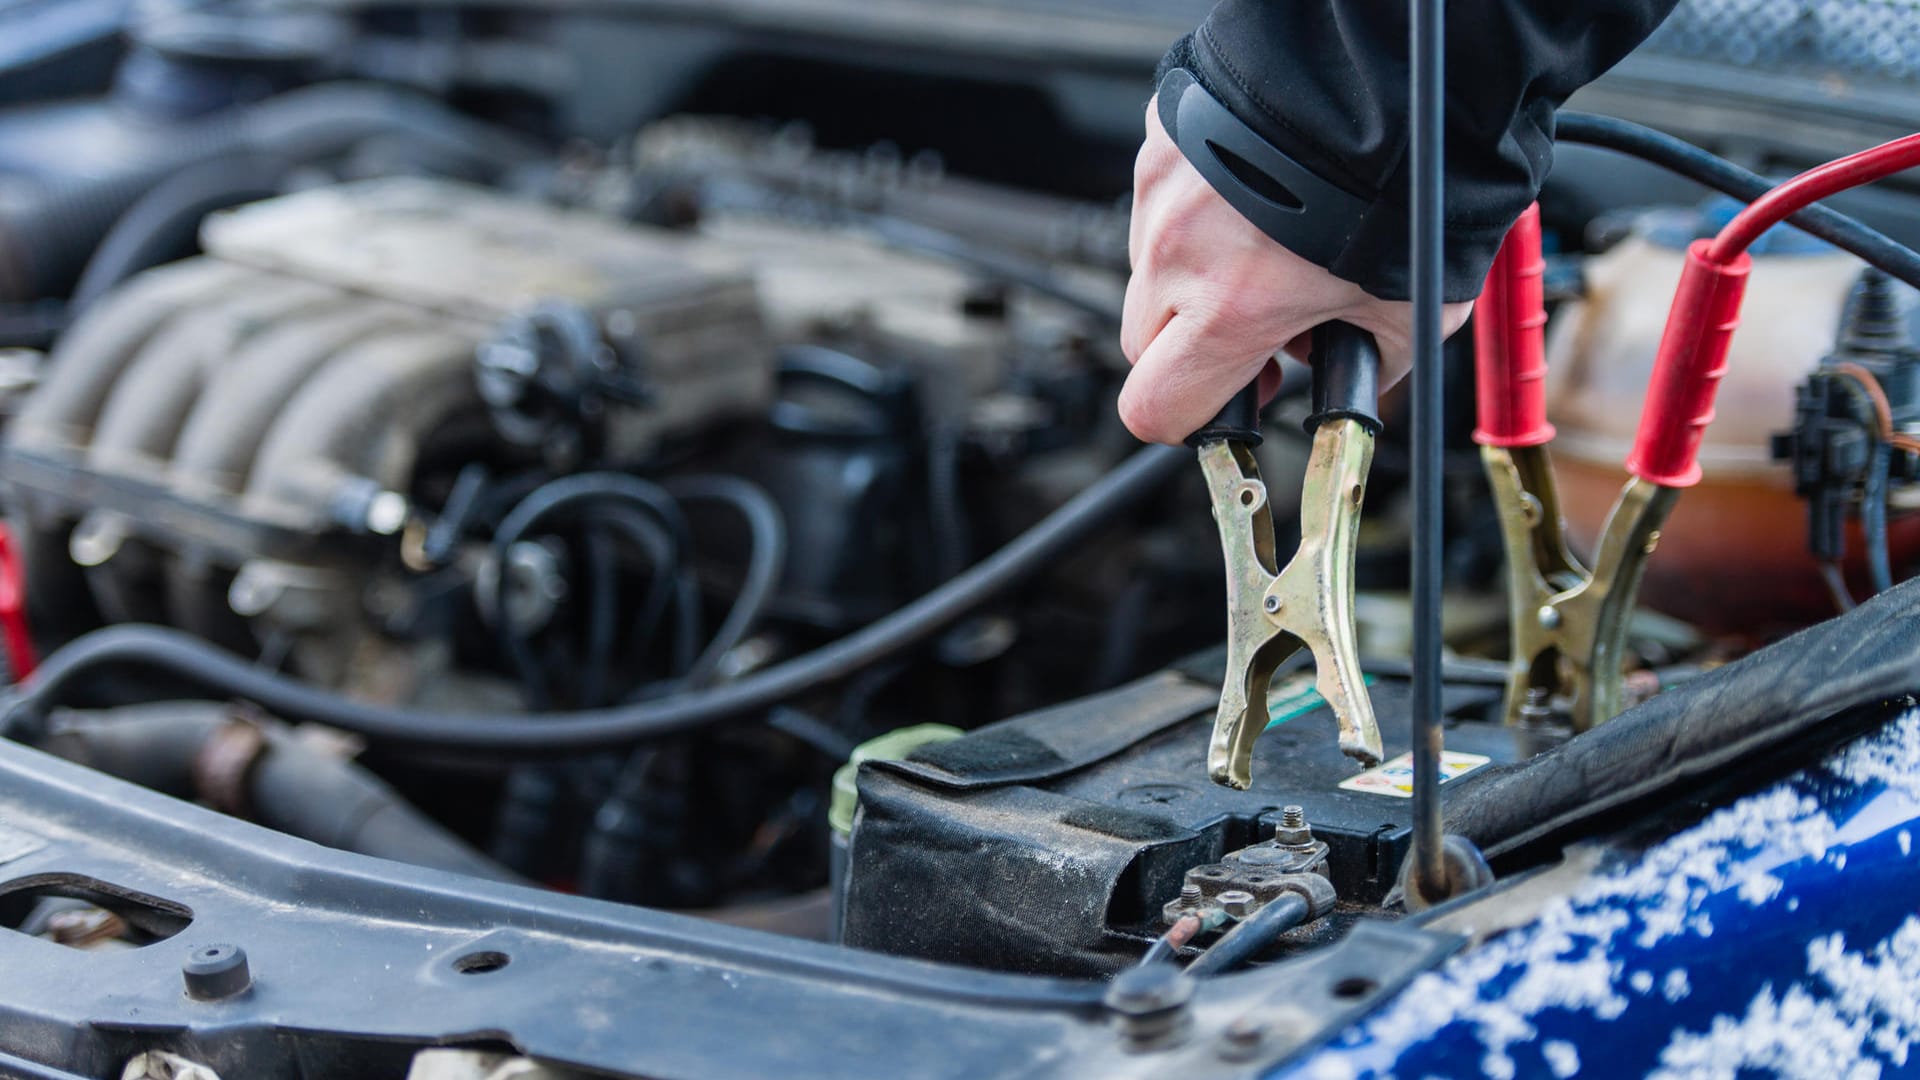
{"type": "Point", "coordinates": [1213, 299]}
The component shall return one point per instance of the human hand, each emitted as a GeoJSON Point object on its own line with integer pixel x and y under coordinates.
{"type": "Point", "coordinates": [1213, 299]}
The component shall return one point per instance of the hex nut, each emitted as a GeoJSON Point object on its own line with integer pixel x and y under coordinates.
{"type": "Point", "coordinates": [1238, 903]}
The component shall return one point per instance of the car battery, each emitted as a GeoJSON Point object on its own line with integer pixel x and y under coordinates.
{"type": "Point", "coordinates": [1049, 843]}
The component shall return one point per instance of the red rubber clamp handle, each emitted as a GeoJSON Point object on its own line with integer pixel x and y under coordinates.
{"type": "Point", "coordinates": [13, 609]}
{"type": "Point", "coordinates": [1509, 342]}
{"type": "Point", "coordinates": [1688, 368]}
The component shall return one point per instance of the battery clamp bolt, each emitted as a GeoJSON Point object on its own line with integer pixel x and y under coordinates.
{"type": "Point", "coordinates": [1293, 830]}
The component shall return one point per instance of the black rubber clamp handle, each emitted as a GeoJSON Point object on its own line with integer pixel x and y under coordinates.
{"type": "Point", "coordinates": [1238, 420]}
{"type": "Point", "coordinates": [1346, 376]}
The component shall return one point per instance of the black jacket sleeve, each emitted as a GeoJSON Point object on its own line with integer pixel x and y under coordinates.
{"type": "Point", "coordinates": [1325, 81]}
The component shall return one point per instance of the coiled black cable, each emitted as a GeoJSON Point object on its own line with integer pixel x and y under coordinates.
{"type": "Point", "coordinates": [1709, 170]}
{"type": "Point", "coordinates": [553, 498]}
{"type": "Point", "coordinates": [186, 656]}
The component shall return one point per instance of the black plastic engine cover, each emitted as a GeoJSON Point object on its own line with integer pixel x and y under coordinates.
{"type": "Point", "coordinates": [1047, 843]}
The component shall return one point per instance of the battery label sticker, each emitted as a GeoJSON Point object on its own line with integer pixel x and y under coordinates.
{"type": "Point", "coordinates": [1395, 778]}
{"type": "Point", "coordinates": [1294, 696]}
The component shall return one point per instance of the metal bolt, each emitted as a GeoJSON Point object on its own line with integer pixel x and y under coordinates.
{"type": "Point", "coordinates": [1549, 617]}
{"type": "Point", "coordinates": [1238, 903]}
{"type": "Point", "coordinates": [1242, 1038]}
{"type": "Point", "coordinates": [1538, 708]}
{"type": "Point", "coordinates": [1189, 895]}
{"type": "Point", "coordinates": [1273, 605]}
{"type": "Point", "coordinates": [1151, 1005]}
{"type": "Point", "coordinates": [1293, 830]}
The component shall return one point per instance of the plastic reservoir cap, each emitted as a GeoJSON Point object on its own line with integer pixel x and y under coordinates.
{"type": "Point", "coordinates": [892, 746]}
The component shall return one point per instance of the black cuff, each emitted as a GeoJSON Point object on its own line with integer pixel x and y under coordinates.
{"type": "Point", "coordinates": [1360, 238]}
{"type": "Point", "coordinates": [1286, 200]}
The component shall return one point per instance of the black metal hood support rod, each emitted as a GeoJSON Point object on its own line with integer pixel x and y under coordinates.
{"type": "Point", "coordinates": [1429, 396]}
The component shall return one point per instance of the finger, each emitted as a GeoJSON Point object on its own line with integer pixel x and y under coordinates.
{"type": "Point", "coordinates": [1271, 376]}
{"type": "Point", "coordinates": [1300, 347]}
{"type": "Point", "coordinates": [1182, 380]}
{"type": "Point", "coordinates": [1143, 315]}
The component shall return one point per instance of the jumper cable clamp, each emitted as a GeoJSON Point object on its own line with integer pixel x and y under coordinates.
{"type": "Point", "coordinates": [1271, 612]}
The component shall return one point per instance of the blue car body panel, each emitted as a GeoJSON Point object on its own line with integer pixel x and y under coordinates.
{"type": "Point", "coordinates": [1778, 936]}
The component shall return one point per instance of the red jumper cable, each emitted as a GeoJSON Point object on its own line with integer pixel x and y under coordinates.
{"type": "Point", "coordinates": [1569, 623]}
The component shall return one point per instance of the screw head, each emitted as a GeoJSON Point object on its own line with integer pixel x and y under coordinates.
{"type": "Point", "coordinates": [1272, 604]}
{"type": "Point", "coordinates": [1549, 617]}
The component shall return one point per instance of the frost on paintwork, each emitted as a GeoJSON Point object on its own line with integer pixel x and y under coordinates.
{"type": "Point", "coordinates": [1789, 1035]}
{"type": "Point", "coordinates": [1562, 1057]}
{"type": "Point", "coordinates": [1848, 1014]}
{"type": "Point", "coordinates": [1563, 961]}
{"type": "Point", "coordinates": [1891, 759]}
{"type": "Point", "coordinates": [1866, 1000]}
{"type": "Point", "coordinates": [1882, 988]}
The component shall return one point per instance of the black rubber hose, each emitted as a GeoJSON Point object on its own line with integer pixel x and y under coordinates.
{"type": "Point", "coordinates": [1056, 536]}
{"type": "Point", "coordinates": [291, 787]}
{"type": "Point", "coordinates": [946, 503]}
{"type": "Point", "coordinates": [319, 121]}
{"type": "Point", "coordinates": [825, 739]}
{"type": "Point", "coordinates": [47, 234]}
{"type": "Point", "coordinates": [31, 325]}
{"type": "Point", "coordinates": [1251, 936]}
{"type": "Point", "coordinates": [602, 616]}
{"type": "Point", "coordinates": [768, 529]}
{"type": "Point", "coordinates": [162, 224]}
{"type": "Point", "coordinates": [47, 237]}
{"type": "Point", "coordinates": [1685, 159]}
{"type": "Point", "coordinates": [663, 591]}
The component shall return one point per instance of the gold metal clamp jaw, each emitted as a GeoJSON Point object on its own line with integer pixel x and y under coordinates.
{"type": "Point", "coordinates": [1272, 612]}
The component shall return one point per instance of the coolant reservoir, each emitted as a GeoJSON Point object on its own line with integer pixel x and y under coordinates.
{"type": "Point", "coordinates": [1733, 557]}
